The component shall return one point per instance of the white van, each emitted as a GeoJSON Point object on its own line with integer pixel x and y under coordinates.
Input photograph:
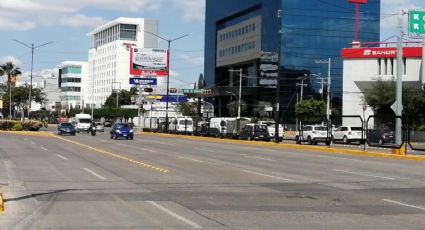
{"type": "Point", "coordinates": [83, 122]}
{"type": "Point", "coordinates": [181, 125]}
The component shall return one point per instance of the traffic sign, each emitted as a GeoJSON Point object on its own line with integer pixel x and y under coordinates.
{"type": "Point", "coordinates": [206, 91]}
{"type": "Point", "coordinates": [172, 90]}
{"type": "Point", "coordinates": [142, 81]}
{"type": "Point", "coordinates": [190, 91]}
{"type": "Point", "coordinates": [417, 22]}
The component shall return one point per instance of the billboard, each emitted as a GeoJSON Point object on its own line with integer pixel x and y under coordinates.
{"type": "Point", "coordinates": [358, 1]}
{"type": "Point", "coordinates": [148, 62]}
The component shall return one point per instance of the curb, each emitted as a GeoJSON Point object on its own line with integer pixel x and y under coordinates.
{"type": "Point", "coordinates": [1, 203]}
{"type": "Point", "coordinates": [28, 133]}
{"type": "Point", "coordinates": [337, 151]}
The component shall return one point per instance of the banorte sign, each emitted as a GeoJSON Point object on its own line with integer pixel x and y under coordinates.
{"type": "Point", "coordinates": [353, 53]}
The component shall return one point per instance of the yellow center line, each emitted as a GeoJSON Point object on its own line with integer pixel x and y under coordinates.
{"type": "Point", "coordinates": [143, 164]}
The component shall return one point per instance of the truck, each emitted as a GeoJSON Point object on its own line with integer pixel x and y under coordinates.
{"type": "Point", "coordinates": [226, 126]}
{"type": "Point", "coordinates": [181, 125]}
{"type": "Point", "coordinates": [83, 122]}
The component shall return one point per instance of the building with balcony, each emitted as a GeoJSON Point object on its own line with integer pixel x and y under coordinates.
{"type": "Point", "coordinates": [109, 57]}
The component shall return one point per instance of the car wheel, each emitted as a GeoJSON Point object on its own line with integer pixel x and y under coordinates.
{"type": "Point", "coordinates": [333, 139]}
{"type": "Point", "coordinates": [115, 136]}
{"type": "Point", "coordinates": [309, 140]}
{"type": "Point", "coordinates": [368, 141]}
{"type": "Point", "coordinates": [381, 142]}
{"type": "Point", "coordinates": [297, 139]}
{"type": "Point", "coordinates": [131, 138]}
{"type": "Point", "coordinates": [72, 134]}
{"type": "Point", "coordinates": [345, 140]}
{"type": "Point", "coordinates": [59, 133]}
{"type": "Point", "coordinates": [249, 138]}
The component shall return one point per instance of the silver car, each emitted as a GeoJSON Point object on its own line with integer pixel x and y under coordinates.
{"type": "Point", "coordinates": [99, 127]}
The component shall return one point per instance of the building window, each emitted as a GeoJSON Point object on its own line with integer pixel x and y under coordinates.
{"type": "Point", "coordinates": [71, 69]}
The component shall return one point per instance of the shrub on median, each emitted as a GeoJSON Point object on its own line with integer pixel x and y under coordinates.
{"type": "Point", "coordinates": [20, 125]}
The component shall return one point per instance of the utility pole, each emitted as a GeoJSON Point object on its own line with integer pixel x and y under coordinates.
{"type": "Point", "coordinates": [328, 103]}
{"type": "Point", "coordinates": [32, 47]}
{"type": "Point", "coordinates": [399, 84]}
{"type": "Point", "coordinates": [139, 103]}
{"type": "Point", "coordinates": [302, 88]}
{"type": "Point", "coordinates": [279, 49]}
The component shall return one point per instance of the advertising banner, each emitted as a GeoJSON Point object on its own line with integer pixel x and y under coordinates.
{"type": "Point", "coordinates": [148, 62]}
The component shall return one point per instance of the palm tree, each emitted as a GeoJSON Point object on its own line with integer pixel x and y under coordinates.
{"type": "Point", "coordinates": [11, 70]}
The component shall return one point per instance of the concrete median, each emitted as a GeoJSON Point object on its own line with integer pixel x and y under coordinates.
{"type": "Point", "coordinates": [323, 149]}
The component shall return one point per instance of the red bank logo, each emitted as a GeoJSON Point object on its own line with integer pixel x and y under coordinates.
{"type": "Point", "coordinates": [367, 52]}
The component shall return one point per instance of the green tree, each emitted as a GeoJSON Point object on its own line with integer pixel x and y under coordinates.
{"type": "Point", "coordinates": [188, 108]}
{"type": "Point", "coordinates": [259, 111]}
{"type": "Point", "coordinates": [311, 111]}
{"type": "Point", "coordinates": [20, 97]}
{"type": "Point", "coordinates": [10, 70]}
{"type": "Point", "coordinates": [233, 108]}
{"type": "Point", "coordinates": [124, 98]}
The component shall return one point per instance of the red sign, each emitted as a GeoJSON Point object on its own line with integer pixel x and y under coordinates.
{"type": "Point", "coordinates": [358, 1]}
{"type": "Point", "coordinates": [351, 53]}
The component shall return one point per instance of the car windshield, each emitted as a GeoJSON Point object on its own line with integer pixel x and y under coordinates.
{"type": "Point", "coordinates": [85, 120]}
{"type": "Point", "coordinates": [320, 128]}
{"type": "Point", "coordinates": [98, 123]}
{"type": "Point", "coordinates": [269, 123]}
{"type": "Point", "coordinates": [260, 128]}
{"type": "Point", "coordinates": [356, 128]}
{"type": "Point", "coordinates": [120, 126]}
{"type": "Point", "coordinates": [188, 122]}
{"type": "Point", "coordinates": [67, 125]}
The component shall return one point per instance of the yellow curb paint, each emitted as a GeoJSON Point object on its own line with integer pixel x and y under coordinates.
{"type": "Point", "coordinates": [324, 149]}
{"type": "Point", "coordinates": [28, 133]}
{"type": "Point", "coordinates": [110, 154]}
{"type": "Point", "coordinates": [1, 203]}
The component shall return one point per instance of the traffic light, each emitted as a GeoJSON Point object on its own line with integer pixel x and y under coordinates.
{"type": "Point", "coordinates": [147, 90]}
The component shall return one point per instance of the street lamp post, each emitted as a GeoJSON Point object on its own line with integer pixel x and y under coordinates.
{"type": "Point", "coordinates": [328, 101]}
{"type": "Point", "coordinates": [32, 47]}
{"type": "Point", "coordinates": [169, 41]}
{"type": "Point", "coordinates": [240, 90]}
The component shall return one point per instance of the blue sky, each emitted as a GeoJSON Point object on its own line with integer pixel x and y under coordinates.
{"type": "Point", "coordinates": [66, 23]}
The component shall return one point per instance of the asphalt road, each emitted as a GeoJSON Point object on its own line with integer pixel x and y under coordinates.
{"type": "Point", "coordinates": [86, 182]}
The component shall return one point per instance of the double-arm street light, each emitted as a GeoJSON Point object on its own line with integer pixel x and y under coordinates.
{"type": "Point", "coordinates": [169, 41]}
{"type": "Point", "coordinates": [240, 90]}
{"type": "Point", "coordinates": [32, 47]}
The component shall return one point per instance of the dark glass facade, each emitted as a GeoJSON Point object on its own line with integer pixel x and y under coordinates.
{"type": "Point", "coordinates": [302, 31]}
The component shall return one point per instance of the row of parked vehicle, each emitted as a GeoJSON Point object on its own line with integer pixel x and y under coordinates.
{"type": "Point", "coordinates": [314, 134]}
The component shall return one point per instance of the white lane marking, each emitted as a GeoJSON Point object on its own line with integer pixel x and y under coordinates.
{"type": "Point", "coordinates": [151, 150]}
{"type": "Point", "coordinates": [259, 158]}
{"type": "Point", "coordinates": [60, 156]}
{"type": "Point", "coordinates": [95, 174]}
{"type": "Point", "coordinates": [204, 149]}
{"type": "Point", "coordinates": [266, 175]}
{"type": "Point", "coordinates": [364, 174]}
{"type": "Point", "coordinates": [32, 142]}
{"type": "Point", "coordinates": [191, 159]}
{"type": "Point", "coordinates": [41, 147]}
{"type": "Point", "coordinates": [404, 204]}
{"type": "Point", "coordinates": [169, 212]}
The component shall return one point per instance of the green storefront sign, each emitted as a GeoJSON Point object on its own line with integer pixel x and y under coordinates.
{"type": "Point", "coordinates": [417, 22]}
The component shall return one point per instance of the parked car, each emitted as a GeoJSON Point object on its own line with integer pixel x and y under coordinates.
{"type": "Point", "coordinates": [107, 123]}
{"type": "Point", "coordinates": [348, 134]}
{"type": "Point", "coordinates": [313, 134]}
{"type": "Point", "coordinates": [380, 136]}
{"type": "Point", "coordinates": [271, 127]}
{"type": "Point", "coordinates": [121, 130]}
{"type": "Point", "coordinates": [254, 132]}
{"type": "Point", "coordinates": [99, 127]}
{"type": "Point", "coordinates": [66, 128]}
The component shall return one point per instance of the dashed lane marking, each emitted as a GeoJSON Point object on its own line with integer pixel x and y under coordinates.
{"type": "Point", "coordinates": [171, 213]}
{"type": "Point", "coordinates": [364, 174]}
{"type": "Point", "coordinates": [41, 147]}
{"type": "Point", "coordinates": [191, 159]}
{"type": "Point", "coordinates": [94, 174]}
{"type": "Point", "coordinates": [404, 204]}
{"type": "Point", "coordinates": [270, 176]}
{"type": "Point", "coordinates": [62, 157]}
{"type": "Point", "coordinates": [142, 164]}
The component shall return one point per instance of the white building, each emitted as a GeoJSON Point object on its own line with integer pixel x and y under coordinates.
{"type": "Point", "coordinates": [109, 59]}
{"type": "Point", "coordinates": [362, 66]}
{"type": "Point", "coordinates": [50, 85]}
{"type": "Point", "coordinates": [73, 82]}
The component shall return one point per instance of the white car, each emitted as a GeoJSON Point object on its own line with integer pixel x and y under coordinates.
{"type": "Point", "coordinates": [348, 134]}
{"type": "Point", "coordinates": [313, 134]}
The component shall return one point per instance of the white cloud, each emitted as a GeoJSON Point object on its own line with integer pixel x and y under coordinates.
{"type": "Point", "coordinates": [80, 20]}
{"type": "Point", "coordinates": [198, 61]}
{"type": "Point", "coordinates": [389, 11]}
{"type": "Point", "coordinates": [193, 10]}
{"type": "Point", "coordinates": [174, 73]}
{"type": "Point", "coordinates": [12, 59]}
{"type": "Point", "coordinates": [20, 15]}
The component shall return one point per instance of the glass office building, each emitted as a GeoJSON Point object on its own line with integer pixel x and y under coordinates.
{"type": "Point", "coordinates": [253, 36]}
